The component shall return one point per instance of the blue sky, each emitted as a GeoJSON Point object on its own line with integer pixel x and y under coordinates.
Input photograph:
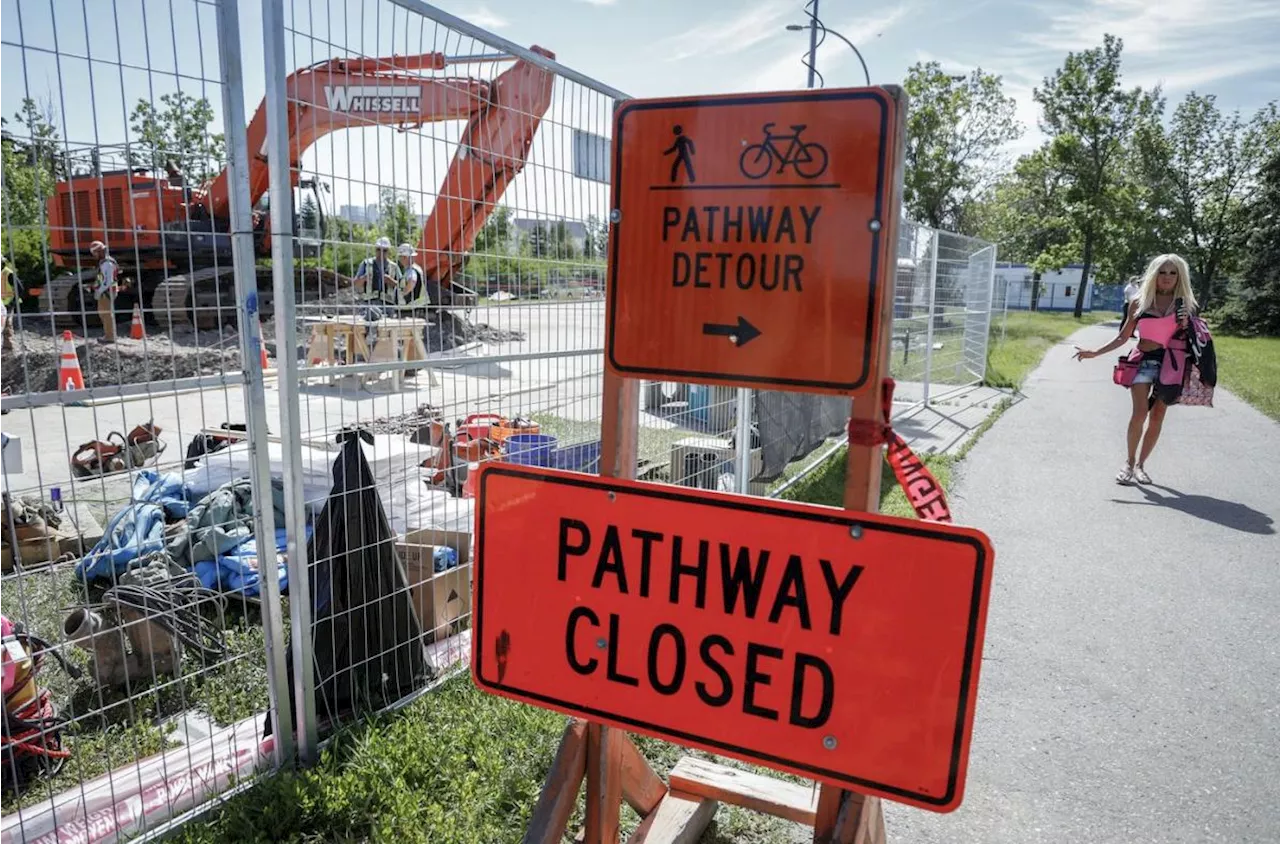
{"type": "Point", "coordinates": [643, 47]}
{"type": "Point", "coordinates": [662, 47]}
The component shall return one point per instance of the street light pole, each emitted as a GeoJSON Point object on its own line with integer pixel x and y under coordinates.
{"type": "Point", "coordinates": [795, 27]}
{"type": "Point", "coordinates": [813, 44]}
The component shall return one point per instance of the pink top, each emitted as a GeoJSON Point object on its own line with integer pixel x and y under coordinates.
{"type": "Point", "coordinates": [1158, 329]}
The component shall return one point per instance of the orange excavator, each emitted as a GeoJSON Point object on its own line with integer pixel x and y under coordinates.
{"type": "Point", "coordinates": [173, 240]}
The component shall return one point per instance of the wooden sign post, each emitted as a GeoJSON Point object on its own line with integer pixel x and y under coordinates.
{"type": "Point", "coordinates": [772, 632]}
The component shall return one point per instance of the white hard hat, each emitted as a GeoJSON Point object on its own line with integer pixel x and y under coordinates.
{"type": "Point", "coordinates": [97, 245]}
{"type": "Point", "coordinates": [382, 243]}
{"type": "Point", "coordinates": [406, 251]}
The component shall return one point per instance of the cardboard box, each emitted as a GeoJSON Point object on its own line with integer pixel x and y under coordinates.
{"type": "Point", "coordinates": [442, 601]}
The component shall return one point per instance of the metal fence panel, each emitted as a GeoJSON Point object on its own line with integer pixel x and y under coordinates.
{"type": "Point", "coordinates": [482, 160]}
{"type": "Point", "coordinates": [120, 556]}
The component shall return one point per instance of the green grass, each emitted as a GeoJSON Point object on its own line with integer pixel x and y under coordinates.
{"type": "Point", "coordinates": [1250, 368]}
{"type": "Point", "coordinates": [1018, 346]}
{"type": "Point", "coordinates": [109, 728]}
{"type": "Point", "coordinates": [457, 765]}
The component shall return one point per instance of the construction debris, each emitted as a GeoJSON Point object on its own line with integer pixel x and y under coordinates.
{"type": "Point", "coordinates": [33, 365]}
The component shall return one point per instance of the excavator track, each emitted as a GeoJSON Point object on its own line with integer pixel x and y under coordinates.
{"type": "Point", "coordinates": [207, 299]}
{"type": "Point", "coordinates": [66, 299]}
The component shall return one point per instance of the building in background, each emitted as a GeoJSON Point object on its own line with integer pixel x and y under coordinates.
{"type": "Point", "coordinates": [1056, 292]}
{"type": "Point", "coordinates": [575, 230]}
{"type": "Point", "coordinates": [363, 214]}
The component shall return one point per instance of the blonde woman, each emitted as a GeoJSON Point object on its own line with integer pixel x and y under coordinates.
{"type": "Point", "coordinates": [1153, 371]}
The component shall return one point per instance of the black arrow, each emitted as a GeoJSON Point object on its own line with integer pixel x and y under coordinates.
{"type": "Point", "coordinates": [741, 334]}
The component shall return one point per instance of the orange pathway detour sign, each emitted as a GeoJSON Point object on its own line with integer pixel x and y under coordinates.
{"type": "Point", "coordinates": [836, 645]}
{"type": "Point", "coordinates": [748, 238]}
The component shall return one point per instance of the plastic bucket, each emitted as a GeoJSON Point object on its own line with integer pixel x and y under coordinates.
{"type": "Point", "coordinates": [582, 457]}
{"type": "Point", "coordinates": [478, 425]}
{"type": "Point", "coordinates": [531, 449]}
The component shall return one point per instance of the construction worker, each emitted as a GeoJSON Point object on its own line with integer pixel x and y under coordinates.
{"type": "Point", "coordinates": [413, 288]}
{"type": "Point", "coordinates": [378, 278]}
{"type": "Point", "coordinates": [105, 289]}
{"type": "Point", "coordinates": [9, 285]}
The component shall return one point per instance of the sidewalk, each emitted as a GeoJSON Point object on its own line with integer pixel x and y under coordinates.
{"type": "Point", "coordinates": [1130, 687]}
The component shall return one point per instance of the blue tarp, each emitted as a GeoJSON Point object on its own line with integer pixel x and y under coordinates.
{"type": "Point", "coordinates": [138, 529]}
{"type": "Point", "coordinates": [238, 570]}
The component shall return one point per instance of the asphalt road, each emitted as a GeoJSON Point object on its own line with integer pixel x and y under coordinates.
{"type": "Point", "coordinates": [1130, 687]}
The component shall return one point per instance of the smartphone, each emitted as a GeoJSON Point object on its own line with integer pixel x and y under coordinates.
{"type": "Point", "coordinates": [1177, 308]}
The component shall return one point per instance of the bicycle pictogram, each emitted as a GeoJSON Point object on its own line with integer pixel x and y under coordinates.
{"type": "Point", "coordinates": [809, 160]}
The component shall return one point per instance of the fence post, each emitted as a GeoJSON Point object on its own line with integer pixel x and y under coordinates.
{"type": "Point", "coordinates": [928, 333]}
{"type": "Point", "coordinates": [281, 193]}
{"type": "Point", "coordinates": [250, 346]}
{"type": "Point", "coordinates": [743, 451]}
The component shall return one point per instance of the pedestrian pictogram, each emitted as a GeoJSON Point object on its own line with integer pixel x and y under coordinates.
{"type": "Point", "coordinates": [808, 160]}
{"type": "Point", "coordinates": [684, 150]}
{"type": "Point", "coordinates": [768, 268]}
{"type": "Point", "coordinates": [837, 645]}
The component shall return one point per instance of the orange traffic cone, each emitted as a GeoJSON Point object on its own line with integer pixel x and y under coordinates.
{"type": "Point", "coordinates": [135, 330]}
{"type": "Point", "coordinates": [69, 375]}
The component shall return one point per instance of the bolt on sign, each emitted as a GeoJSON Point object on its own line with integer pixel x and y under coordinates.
{"type": "Point", "coordinates": [747, 228]}
{"type": "Point", "coordinates": [837, 645]}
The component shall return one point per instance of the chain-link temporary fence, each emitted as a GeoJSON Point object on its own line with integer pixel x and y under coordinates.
{"type": "Point", "coordinates": [140, 629]}
{"type": "Point", "coordinates": [465, 325]}
{"type": "Point", "coordinates": [942, 315]}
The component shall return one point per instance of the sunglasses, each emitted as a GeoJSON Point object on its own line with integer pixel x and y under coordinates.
{"type": "Point", "coordinates": [1167, 272]}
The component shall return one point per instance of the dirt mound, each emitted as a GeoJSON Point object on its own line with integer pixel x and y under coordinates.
{"type": "Point", "coordinates": [33, 365]}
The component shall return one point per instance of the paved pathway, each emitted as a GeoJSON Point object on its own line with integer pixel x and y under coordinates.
{"type": "Point", "coordinates": [1130, 689]}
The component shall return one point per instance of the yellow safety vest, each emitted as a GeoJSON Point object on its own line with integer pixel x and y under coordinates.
{"type": "Point", "coordinates": [420, 298]}
{"type": "Point", "coordinates": [6, 284]}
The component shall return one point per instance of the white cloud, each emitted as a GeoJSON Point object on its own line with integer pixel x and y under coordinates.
{"type": "Point", "coordinates": [753, 25]}
{"type": "Point", "coordinates": [1178, 44]}
{"type": "Point", "coordinates": [598, 2]}
{"type": "Point", "coordinates": [1165, 28]}
{"type": "Point", "coordinates": [483, 16]}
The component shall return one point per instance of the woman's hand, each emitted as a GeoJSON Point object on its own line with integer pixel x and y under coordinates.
{"type": "Point", "coordinates": [1084, 354]}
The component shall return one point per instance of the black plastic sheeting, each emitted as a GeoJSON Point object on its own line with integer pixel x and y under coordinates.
{"type": "Point", "coordinates": [793, 424]}
{"type": "Point", "coordinates": [366, 640]}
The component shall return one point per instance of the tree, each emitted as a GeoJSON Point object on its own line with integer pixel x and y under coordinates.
{"type": "Point", "coordinates": [1089, 118]}
{"type": "Point", "coordinates": [1253, 301]}
{"type": "Point", "coordinates": [1026, 215]}
{"type": "Point", "coordinates": [177, 134]}
{"type": "Point", "coordinates": [956, 127]}
{"type": "Point", "coordinates": [1205, 165]}
{"type": "Point", "coordinates": [495, 235]}
{"type": "Point", "coordinates": [32, 163]}
{"type": "Point", "coordinates": [396, 216]}
{"type": "Point", "coordinates": [539, 242]}
{"type": "Point", "coordinates": [309, 216]}
{"type": "Point", "coordinates": [595, 245]}
{"type": "Point", "coordinates": [562, 245]}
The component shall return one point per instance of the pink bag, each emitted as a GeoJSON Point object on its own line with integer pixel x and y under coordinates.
{"type": "Point", "coordinates": [1195, 393]}
{"type": "Point", "coordinates": [1126, 370]}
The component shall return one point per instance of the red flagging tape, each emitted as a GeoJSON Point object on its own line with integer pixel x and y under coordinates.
{"type": "Point", "coordinates": [924, 493]}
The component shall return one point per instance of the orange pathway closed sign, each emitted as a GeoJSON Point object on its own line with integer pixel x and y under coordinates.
{"type": "Point", "coordinates": [749, 237]}
{"type": "Point", "coordinates": [843, 647]}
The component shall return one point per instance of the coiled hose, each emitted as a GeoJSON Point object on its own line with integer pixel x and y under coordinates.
{"type": "Point", "coordinates": [170, 597]}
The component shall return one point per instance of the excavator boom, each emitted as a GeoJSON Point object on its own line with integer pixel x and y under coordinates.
{"type": "Point", "coordinates": [502, 117]}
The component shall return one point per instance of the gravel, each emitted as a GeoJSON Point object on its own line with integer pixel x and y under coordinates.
{"type": "Point", "coordinates": [33, 366]}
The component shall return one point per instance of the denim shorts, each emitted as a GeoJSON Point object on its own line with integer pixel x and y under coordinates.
{"type": "Point", "coordinates": [1148, 372]}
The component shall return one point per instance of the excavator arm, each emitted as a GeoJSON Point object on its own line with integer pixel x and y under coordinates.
{"type": "Point", "coordinates": [502, 117]}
